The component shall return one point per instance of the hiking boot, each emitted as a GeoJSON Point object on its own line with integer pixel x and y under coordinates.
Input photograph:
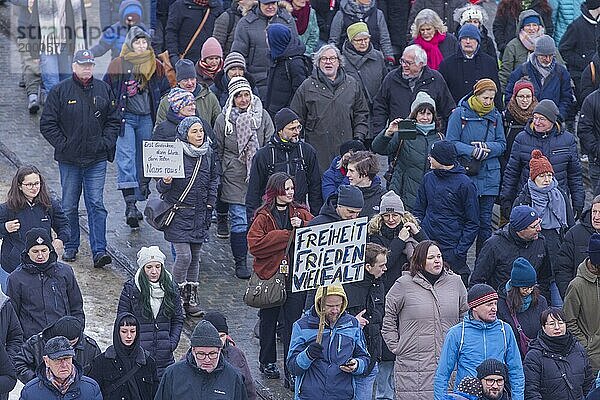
{"type": "Point", "coordinates": [193, 309]}
{"type": "Point", "coordinates": [222, 226]}
{"type": "Point", "coordinates": [132, 214]}
{"type": "Point", "coordinates": [241, 269]}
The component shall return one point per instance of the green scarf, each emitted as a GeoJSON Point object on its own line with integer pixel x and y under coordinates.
{"type": "Point", "coordinates": [477, 106]}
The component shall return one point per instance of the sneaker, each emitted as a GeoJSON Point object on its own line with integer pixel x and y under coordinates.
{"type": "Point", "coordinates": [270, 370]}
{"type": "Point", "coordinates": [101, 259]}
{"type": "Point", "coordinates": [34, 104]}
{"type": "Point", "coordinates": [69, 255]}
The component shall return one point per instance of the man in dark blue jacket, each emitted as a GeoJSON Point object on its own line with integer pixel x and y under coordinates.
{"type": "Point", "coordinates": [448, 207]}
{"type": "Point", "coordinates": [81, 122]}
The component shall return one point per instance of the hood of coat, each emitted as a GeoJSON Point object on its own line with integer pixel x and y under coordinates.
{"type": "Point", "coordinates": [294, 48]}
{"type": "Point", "coordinates": [584, 272]}
{"type": "Point", "coordinates": [445, 173]}
{"type": "Point", "coordinates": [32, 267]}
{"type": "Point", "coordinates": [118, 349]}
{"type": "Point", "coordinates": [585, 13]}
{"type": "Point", "coordinates": [127, 4]}
{"type": "Point", "coordinates": [528, 13]}
{"type": "Point", "coordinates": [336, 290]}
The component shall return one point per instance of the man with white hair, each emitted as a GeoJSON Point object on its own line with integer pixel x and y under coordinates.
{"type": "Point", "coordinates": [400, 87]}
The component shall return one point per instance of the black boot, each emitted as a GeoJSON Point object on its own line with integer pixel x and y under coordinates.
{"type": "Point", "coordinates": [239, 248]}
{"type": "Point", "coordinates": [131, 211]}
{"type": "Point", "coordinates": [193, 309]}
{"type": "Point", "coordinates": [222, 226]}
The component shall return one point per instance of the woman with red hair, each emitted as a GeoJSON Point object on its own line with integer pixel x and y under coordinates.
{"type": "Point", "coordinates": [269, 241]}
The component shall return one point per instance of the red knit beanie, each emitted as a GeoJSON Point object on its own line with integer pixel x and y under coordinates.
{"type": "Point", "coordinates": [539, 164]}
{"type": "Point", "coordinates": [211, 48]}
{"type": "Point", "coordinates": [523, 84]}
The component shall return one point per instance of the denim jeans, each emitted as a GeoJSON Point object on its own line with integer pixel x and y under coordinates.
{"type": "Point", "coordinates": [363, 385]}
{"type": "Point", "coordinates": [55, 68]}
{"type": "Point", "coordinates": [3, 278]}
{"type": "Point", "coordinates": [486, 207]}
{"type": "Point", "coordinates": [128, 157]}
{"type": "Point", "coordinates": [73, 179]}
{"type": "Point", "coordinates": [237, 218]}
{"type": "Point", "coordinates": [385, 381]}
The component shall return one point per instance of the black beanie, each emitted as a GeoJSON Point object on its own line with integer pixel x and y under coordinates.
{"type": "Point", "coordinates": [491, 366]}
{"type": "Point", "coordinates": [354, 145]}
{"type": "Point", "coordinates": [67, 326]}
{"type": "Point", "coordinates": [218, 320]}
{"type": "Point", "coordinates": [443, 152]}
{"type": "Point", "coordinates": [284, 117]}
{"type": "Point", "coordinates": [38, 236]}
{"type": "Point", "coordinates": [350, 196]}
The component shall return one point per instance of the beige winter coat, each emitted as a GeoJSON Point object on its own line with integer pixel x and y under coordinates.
{"type": "Point", "coordinates": [417, 317]}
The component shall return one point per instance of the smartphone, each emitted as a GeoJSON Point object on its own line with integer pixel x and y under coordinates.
{"type": "Point", "coordinates": [348, 363]}
{"type": "Point", "coordinates": [407, 129]}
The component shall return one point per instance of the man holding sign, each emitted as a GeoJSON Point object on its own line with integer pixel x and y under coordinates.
{"type": "Point", "coordinates": [327, 370]}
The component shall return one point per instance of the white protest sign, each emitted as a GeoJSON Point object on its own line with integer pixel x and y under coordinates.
{"type": "Point", "coordinates": [163, 159]}
{"type": "Point", "coordinates": [329, 254]}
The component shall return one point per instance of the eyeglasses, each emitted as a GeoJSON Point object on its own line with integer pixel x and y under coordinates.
{"type": "Point", "coordinates": [406, 62]}
{"type": "Point", "coordinates": [539, 118]}
{"type": "Point", "coordinates": [555, 324]}
{"type": "Point", "coordinates": [31, 185]}
{"type": "Point", "coordinates": [296, 128]}
{"type": "Point", "coordinates": [212, 355]}
{"type": "Point", "coordinates": [492, 381]}
{"type": "Point", "coordinates": [361, 40]}
{"type": "Point", "coordinates": [331, 60]}
{"type": "Point", "coordinates": [524, 97]}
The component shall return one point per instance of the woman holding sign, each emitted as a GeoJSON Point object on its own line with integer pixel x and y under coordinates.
{"type": "Point", "coordinates": [195, 195]}
{"type": "Point", "coordinates": [419, 309]}
{"type": "Point", "coordinates": [269, 241]}
{"type": "Point", "coordinates": [135, 78]}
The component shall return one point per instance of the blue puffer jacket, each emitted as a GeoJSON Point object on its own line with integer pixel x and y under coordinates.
{"type": "Point", "coordinates": [323, 378]}
{"type": "Point", "coordinates": [113, 36]}
{"type": "Point", "coordinates": [468, 344]}
{"type": "Point", "coordinates": [332, 178]}
{"type": "Point", "coordinates": [159, 336]}
{"type": "Point", "coordinates": [560, 148]}
{"type": "Point", "coordinates": [448, 209]}
{"type": "Point", "coordinates": [563, 13]}
{"type": "Point", "coordinates": [466, 126]}
{"type": "Point", "coordinates": [556, 87]}
{"type": "Point", "coordinates": [83, 388]}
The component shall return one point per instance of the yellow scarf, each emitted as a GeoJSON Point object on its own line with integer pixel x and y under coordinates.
{"type": "Point", "coordinates": [144, 63]}
{"type": "Point", "coordinates": [477, 106]}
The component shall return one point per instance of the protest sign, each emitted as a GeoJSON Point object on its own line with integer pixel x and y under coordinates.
{"type": "Point", "coordinates": [163, 159]}
{"type": "Point", "coordinates": [329, 254]}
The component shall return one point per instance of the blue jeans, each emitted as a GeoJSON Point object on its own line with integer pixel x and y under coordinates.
{"type": "Point", "coordinates": [237, 218]}
{"type": "Point", "coordinates": [486, 207]}
{"type": "Point", "coordinates": [363, 385]}
{"type": "Point", "coordinates": [385, 381]}
{"type": "Point", "coordinates": [73, 179]}
{"type": "Point", "coordinates": [3, 278]}
{"type": "Point", "coordinates": [128, 157]}
{"type": "Point", "coordinates": [55, 68]}
{"type": "Point", "coordinates": [555, 299]}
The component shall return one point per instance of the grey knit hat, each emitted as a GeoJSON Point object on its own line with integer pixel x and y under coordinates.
{"type": "Point", "coordinates": [350, 196]}
{"type": "Point", "coordinates": [184, 69]}
{"type": "Point", "coordinates": [491, 366]}
{"type": "Point", "coordinates": [205, 335]}
{"type": "Point", "coordinates": [548, 109]}
{"type": "Point", "coordinates": [421, 98]}
{"type": "Point", "coordinates": [234, 59]}
{"type": "Point", "coordinates": [391, 203]}
{"type": "Point", "coordinates": [184, 126]}
{"type": "Point", "coordinates": [544, 46]}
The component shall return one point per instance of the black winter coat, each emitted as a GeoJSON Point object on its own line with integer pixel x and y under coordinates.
{"type": "Point", "coordinates": [590, 82]}
{"type": "Point", "coordinates": [578, 46]}
{"type": "Point", "coordinates": [560, 148]}
{"type": "Point", "coordinates": [108, 368]}
{"type": "Point", "coordinates": [494, 263]}
{"type": "Point", "coordinates": [286, 75]}
{"type": "Point", "coordinates": [69, 124]}
{"type": "Point", "coordinates": [550, 375]}
{"type": "Point", "coordinates": [325, 14]}
{"type": "Point", "coordinates": [11, 334]}
{"type": "Point", "coordinates": [461, 73]}
{"type": "Point", "coordinates": [396, 16]}
{"type": "Point", "coordinates": [529, 320]}
{"type": "Point", "coordinates": [505, 26]}
{"type": "Point", "coordinates": [42, 296]}
{"type": "Point", "coordinates": [35, 216]}
{"type": "Point", "coordinates": [395, 97]}
{"type": "Point", "coordinates": [8, 378]}
{"type": "Point", "coordinates": [372, 197]}
{"type": "Point", "coordinates": [573, 251]}
{"type": "Point", "coordinates": [297, 159]}
{"type": "Point", "coordinates": [191, 222]}
{"type": "Point", "coordinates": [185, 380]}
{"type": "Point", "coordinates": [31, 354]}
{"type": "Point", "coordinates": [369, 295]}
{"type": "Point", "coordinates": [160, 335]}
{"type": "Point", "coordinates": [183, 21]}
{"type": "Point", "coordinates": [588, 127]}
{"type": "Point", "coordinates": [234, 356]}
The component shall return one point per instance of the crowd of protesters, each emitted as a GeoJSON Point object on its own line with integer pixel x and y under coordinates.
{"type": "Point", "coordinates": [285, 112]}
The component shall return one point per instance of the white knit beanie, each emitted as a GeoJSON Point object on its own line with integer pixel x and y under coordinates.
{"type": "Point", "coordinates": [150, 254]}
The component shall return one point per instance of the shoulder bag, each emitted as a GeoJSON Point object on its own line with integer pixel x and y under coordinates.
{"type": "Point", "coordinates": [269, 293]}
{"type": "Point", "coordinates": [165, 58]}
{"type": "Point", "coordinates": [159, 213]}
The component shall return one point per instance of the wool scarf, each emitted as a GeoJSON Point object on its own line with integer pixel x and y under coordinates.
{"type": "Point", "coordinates": [144, 64]}
{"type": "Point", "coordinates": [543, 70]}
{"type": "Point", "coordinates": [521, 116]}
{"type": "Point", "coordinates": [558, 344]}
{"type": "Point", "coordinates": [302, 17]}
{"type": "Point", "coordinates": [53, 25]}
{"type": "Point", "coordinates": [425, 129]}
{"type": "Point", "coordinates": [434, 55]}
{"type": "Point", "coordinates": [528, 39]}
{"type": "Point", "coordinates": [61, 387]}
{"type": "Point", "coordinates": [477, 106]}
{"type": "Point", "coordinates": [549, 203]}
{"type": "Point", "coordinates": [197, 152]}
{"type": "Point", "coordinates": [202, 68]}
{"type": "Point", "coordinates": [156, 292]}
{"type": "Point", "coordinates": [245, 125]}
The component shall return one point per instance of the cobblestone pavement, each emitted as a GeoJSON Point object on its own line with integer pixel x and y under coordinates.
{"type": "Point", "coordinates": [220, 289]}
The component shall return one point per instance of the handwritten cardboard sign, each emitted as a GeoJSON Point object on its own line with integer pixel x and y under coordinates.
{"type": "Point", "coordinates": [163, 159]}
{"type": "Point", "coordinates": [329, 254]}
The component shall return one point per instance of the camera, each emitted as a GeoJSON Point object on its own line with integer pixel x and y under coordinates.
{"type": "Point", "coordinates": [407, 129]}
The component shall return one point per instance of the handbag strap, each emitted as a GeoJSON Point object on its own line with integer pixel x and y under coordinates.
{"type": "Point", "coordinates": [395, 160]}
{"type": "Point", "coordinates": [123, 379]}
{"type": "Point", "coordinates": [191, 182]}
{"type": "Point", "coordinates": [193, 39]}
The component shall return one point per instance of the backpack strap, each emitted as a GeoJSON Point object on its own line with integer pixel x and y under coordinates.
{"type": "Point", "coordinates": [593, 72]}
